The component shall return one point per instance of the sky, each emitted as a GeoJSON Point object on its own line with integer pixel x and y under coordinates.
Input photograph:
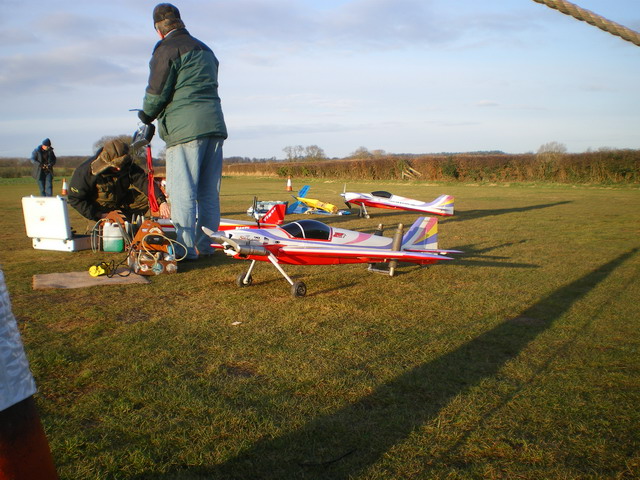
{"type": "Point", "coordinates": [402, 76]}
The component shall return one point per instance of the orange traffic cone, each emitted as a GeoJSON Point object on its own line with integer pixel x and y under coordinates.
{"type": "Point", "coordinates": [64, 186]}
{"type": "Point", "coordinates": [289, 188]}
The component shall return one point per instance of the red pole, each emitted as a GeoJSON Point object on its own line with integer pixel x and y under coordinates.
{"type": "Point", "coordinates": [151, 192]}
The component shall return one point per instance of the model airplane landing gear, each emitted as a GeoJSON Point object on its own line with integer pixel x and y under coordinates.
{"type": "Point", "coordinates": [363, 212]}
{"type": "Point", "coordinates": [244, 279]}
{"type": "Point", "coordinates": [298, 289]}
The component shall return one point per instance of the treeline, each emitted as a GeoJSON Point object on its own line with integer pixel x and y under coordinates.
{"type": "Point", "coordinates": [229, 160]}
{"type": "Point", "coordinates": [21, 167]}
{"type": "Point", "coordinates": [601, 167]}
{"type": "Point", "coordinates": [65, 165]}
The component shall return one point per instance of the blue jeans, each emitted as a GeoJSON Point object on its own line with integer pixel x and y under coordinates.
{"type": "Point", "coordinates": [45, 183]}
{"type": "Point", "coordinates": [194, 170]}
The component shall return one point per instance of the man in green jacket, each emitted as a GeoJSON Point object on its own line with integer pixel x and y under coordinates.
{"type": "Point", "coordinates": [183, 95]}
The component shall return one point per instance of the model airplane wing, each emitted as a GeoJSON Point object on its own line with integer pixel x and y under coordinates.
{"type": "Point", "coordinates": [362, 252]}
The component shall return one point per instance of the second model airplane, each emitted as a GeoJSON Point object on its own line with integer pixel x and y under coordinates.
{"type": "Point", "coordinates": [443, 205]}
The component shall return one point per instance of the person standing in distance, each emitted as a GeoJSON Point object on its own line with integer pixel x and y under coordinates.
{"type": "Point", "coordinates": [182, 94]}
{"type": "Point", "coordinates": [43, 160]}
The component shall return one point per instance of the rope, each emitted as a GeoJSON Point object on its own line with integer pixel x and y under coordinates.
{"type": "Point", "coordinates": [591, 18]}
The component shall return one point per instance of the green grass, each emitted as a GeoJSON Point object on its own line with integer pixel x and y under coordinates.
{"type": "Point", "coordinates": [517, 360]}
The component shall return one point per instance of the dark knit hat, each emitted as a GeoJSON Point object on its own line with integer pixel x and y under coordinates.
{"type": "Point", "coordinates": [46, 142]}
{"type": "Point", "coordinates": [165, 11]}
{"type": "Point", "coordinates": [115, 153]}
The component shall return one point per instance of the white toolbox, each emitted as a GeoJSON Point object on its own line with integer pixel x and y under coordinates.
{"type": "Point", "coordinates": [47, 222]}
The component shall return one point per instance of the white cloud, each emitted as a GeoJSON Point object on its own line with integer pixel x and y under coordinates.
{"type": "Point", "coordinates": [59, 71]}
{"type": "Point", "coordinates": [487, 103]}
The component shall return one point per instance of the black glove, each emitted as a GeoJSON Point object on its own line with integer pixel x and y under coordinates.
{"type": "Point", "coordinates": [144, 118]}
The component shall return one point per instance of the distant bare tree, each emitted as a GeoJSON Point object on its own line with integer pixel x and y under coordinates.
{"type": "Point", "coordinates": [552, 147]}
{"type": "Point", "coordinates": [298, 152]}
{"type": "Point", "coordinates": [138, 154]}
{"type": "Point", "coordinates": [361, 152]}
{"type": "Point", "coordinates": [100, 143]}
{"type": "Point", "coordinates": [294, 153]}
{"type": "Point", "coordinates": [314, 152]}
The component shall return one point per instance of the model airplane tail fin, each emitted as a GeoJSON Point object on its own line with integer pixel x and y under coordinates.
{"type": "Point", "coordinates": [303, 191]}
{"type": "Point", "coordinates": [443, 204]}
{"type": "Point", "coordinates": [298, 206]}
{"type": "Point", "coordinates": [275, 214]}
{"type": "Point", "coordinates": [423, 235]}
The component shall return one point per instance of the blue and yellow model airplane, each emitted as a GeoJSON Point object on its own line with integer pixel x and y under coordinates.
{"type": "Point", "coordinates": [312, 205]}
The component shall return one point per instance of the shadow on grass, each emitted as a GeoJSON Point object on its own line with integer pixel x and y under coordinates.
{"type": "Point", "coordinates": [336, 289]}
{"type": "Point", "coordinates": [216, 260]}
{"type": "Point", "coordinates": [342, 444]}
{"type": "Point", "coordinates": [475, 214]}
{"type": "Point", "coordinates": [474, 256]}
{"type": "Point", "coordinates": [460, 215]}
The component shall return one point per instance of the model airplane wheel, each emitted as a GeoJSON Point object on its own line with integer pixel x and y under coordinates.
{"type": "Point", "coordinates": [243, 280]}
{"type": "Point", "coordinates": [298, 289]}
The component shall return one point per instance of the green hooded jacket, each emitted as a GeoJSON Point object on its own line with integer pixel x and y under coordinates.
{"type": "Point", "coordinates": [183, 90]}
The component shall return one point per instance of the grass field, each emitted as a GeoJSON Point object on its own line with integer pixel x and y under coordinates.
{"type": "Point", "coordinates": [517, 360]}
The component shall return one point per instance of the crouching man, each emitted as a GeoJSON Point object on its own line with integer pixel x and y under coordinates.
{"type": "Point", "coordinates": [109, 181]}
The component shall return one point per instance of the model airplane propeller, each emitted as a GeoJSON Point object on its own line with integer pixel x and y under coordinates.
{"type": "Point", "coordinates": [443, 205]}
{"type": "Point", "coordinates": [310, 242]}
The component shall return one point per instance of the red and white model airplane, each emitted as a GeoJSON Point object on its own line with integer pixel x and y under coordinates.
{"type": "Point", "coordinates": [310, 242]}
{"type": "Point", "coordinates": [443, 205]}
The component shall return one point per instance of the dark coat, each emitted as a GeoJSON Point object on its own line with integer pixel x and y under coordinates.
{"type": "Point", "coordinates": [43, 162]}
{"type": "Point", "coordinates": [93, 195]}
{"type": "Point", "coordinates": [183, 90]}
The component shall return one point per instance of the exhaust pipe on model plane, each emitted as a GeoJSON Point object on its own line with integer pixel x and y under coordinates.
{"type": "Point", "coordinates": [231, 247]}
